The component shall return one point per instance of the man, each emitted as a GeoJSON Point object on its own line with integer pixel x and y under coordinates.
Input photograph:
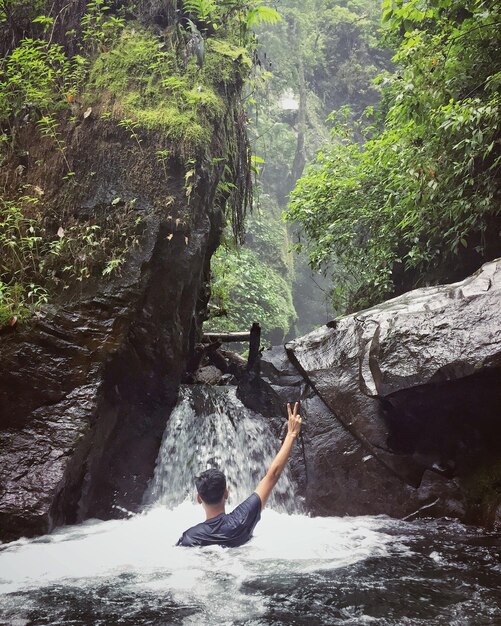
{"type": "Point", "coordinates": [235, 528]}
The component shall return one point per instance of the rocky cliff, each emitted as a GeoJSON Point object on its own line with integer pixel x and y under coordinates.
{"type": "Point", "coordinates": [401, 404]}
{"type": "Point", "coordinates": [86, 385]}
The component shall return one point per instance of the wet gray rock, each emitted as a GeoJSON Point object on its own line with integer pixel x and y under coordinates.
{"type": "Point", "coordinates": [208, 375]}
{"type": "Point", "coordinates": [85, 392]}
{"type": "Point", "coordinates": [86, 388]}
{"type": "Point", "coordinates": [428, 335]}
{"type": "Point", "coordinates": [401, 402]}
{"type": "Point", "coordinates": [39, 455]}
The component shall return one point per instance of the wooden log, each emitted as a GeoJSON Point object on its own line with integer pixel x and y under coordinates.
{"type": "Point", "coordinates": [217, 359]}
{"type": "Point", "coordinates": [225, 337]}
{"type": "Point", "coordinates": [253, 337]}
{"type": "Point", "coordinates": [234, 358]}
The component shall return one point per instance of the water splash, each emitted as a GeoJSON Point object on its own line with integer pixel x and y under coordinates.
{"type": "Point", "coordinates": [210, 427]}
{"type": "Point", "coordinates": [295, 570]}
{"type": "Point", "coordinates": [134, 564]}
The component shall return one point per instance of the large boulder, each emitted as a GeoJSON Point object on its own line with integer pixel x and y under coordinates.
{"type": "Point", "coordinates": [402, 403]}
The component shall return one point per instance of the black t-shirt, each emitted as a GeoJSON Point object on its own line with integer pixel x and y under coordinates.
{"type": "Point", "coordinates": [231, 530]}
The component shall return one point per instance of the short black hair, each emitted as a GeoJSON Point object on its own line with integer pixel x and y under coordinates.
{"type": "Point", "coordinates": [211, 485]}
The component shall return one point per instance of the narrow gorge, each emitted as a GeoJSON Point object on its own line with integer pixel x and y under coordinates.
{"type": "Point", "coordinates": [323, 173]}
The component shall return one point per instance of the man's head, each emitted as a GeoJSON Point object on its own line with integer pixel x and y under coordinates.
{"type": "Point", "coordinates": [211, 486]}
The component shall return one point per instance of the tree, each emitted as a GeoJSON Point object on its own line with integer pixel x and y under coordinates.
{"type": "Point", "coordinates": [419, 201]}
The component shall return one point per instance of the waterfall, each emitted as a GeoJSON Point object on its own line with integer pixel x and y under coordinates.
{"type": "Point", "coordinates": [210, 427]}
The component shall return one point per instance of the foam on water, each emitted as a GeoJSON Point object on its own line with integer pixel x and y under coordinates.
{"type": "Point", "coordinates": [210, 578]}
{"type": "Point", "coordinates": [295, 570]}
{"type": "Point", "coordinates": [209, 427]}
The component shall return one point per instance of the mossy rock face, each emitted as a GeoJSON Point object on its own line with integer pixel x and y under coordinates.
{"type": "Point", "coordinates": [168, 114]}
{"type": "Point", "coordinates": [225, 63]}
{"type": "Point", "coordinates": [143, 132]}
{"type": "Point", "coordinates": [142, 81]}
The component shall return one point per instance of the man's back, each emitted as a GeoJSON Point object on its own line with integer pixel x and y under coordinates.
{"type": "Point", "coordinates": [231, 530]}
{"type": "Point", "coordinates": [236, 528]}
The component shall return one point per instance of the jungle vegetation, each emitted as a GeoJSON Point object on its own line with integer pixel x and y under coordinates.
{"type": "Point", "coordinates": [170, 67]}
{"type": "Point", "coordinates": [321, 55]}
{"type": "Point", "coordinates": [402, 155]}
{"type": "Point", "coordinates": [417, 201]}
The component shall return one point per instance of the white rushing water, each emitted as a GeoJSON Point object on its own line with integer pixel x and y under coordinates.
{"type": "Point", "coordinates": [209, 427]}
{"type": "Point", "coordinates": [295, 570]}
{"type": "Point", "coordinates": [209, 578]}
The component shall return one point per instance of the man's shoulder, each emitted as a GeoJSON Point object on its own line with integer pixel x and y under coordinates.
{"type": "Point", "coordinates": [247, 513]}
{"type": "Point", "coordinates": [231, 529]}
{"type": "Point", "coordinates": [252, 503]}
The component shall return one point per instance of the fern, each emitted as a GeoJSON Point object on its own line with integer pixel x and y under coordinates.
{"type": "Point", "coordinates": [260, 14]}
{"type": "Point", "coordinates": [201, 9]}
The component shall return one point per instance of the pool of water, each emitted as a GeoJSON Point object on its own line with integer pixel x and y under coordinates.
{"type": "Point", "coordinates": [296, 570]}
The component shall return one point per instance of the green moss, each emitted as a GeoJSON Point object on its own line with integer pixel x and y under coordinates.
{"type": "Point", "coordinates": [146, 83]}
{"type": "Point", "coordinates": [235, 53]}
{"type": "Point", "coordinates": [205, 101]}
{"type": "Point", "coordinates": [225, 63]}
{"type": "Point", "coordinates": [177, 125]}
{"type": "Point", "coordinates": [483, 486]}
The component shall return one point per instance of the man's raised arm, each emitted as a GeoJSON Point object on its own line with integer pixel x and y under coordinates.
{"type": "Point", "coordinates": [265, 487]}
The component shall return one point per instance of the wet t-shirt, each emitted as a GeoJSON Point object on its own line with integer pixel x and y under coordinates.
{"type": "Point", "coordinates": [227, 529]}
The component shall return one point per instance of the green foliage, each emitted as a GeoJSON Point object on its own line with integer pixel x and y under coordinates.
{"type": "Point", "coordinates": [268, 237]}
{"type": "Point", "coordinates": [222, 59]}
{"type": "Point", "coordinates": [131, 126]}
{"type": "Point", "coordinates": [99, 29]}
{"type": "Point", "coordinates": [37, 262]}
{"type": "Point", "coordinates": [310, 34]}
{"type": "Point", "coordinates": [20, 16]}
{"type": "Point", "coordinates": [247, 290]}
{"type": "Point", "coordinates": [37, 82]}
{"type": "Point", "coordinates": [147, 87]}
{"type": "Point", "coordinates": [20, 243]}
{"type": "Point", "coordinates": [332, 44]}
{"type": "Point", "coordinates": [48, 127]}
{"type": "Point", "coordinates": [18, 302]}
{"type": "Point", "coordinates": [153, 88]}
{"type": "Point", "coordinates": [37, 77]}
{"type": "Point", "coordinates": [424, 187]}
{"type": "Point", "coordinates": [253, 284]}
{"type": "Point", "coordinates": [201, 9]}
{"type": "Point", "coordinates": [259, 14]}
{"type": "Point", "coordinates": [322, 53]}
{"type": "Point", "coordinates": [142, 81]}
{"type": "Point", "coordinates": [242, 15]}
